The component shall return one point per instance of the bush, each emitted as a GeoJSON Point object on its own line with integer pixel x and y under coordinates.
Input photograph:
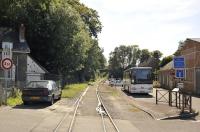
{"type": "Point", "coordinates": [15, 99]}
{"type": "Point", "coordinates": [156, 84]}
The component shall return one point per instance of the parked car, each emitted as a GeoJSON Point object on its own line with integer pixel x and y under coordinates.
{"type": "Point", "coordinates": [116, 82]}
{"type": "Point", "coordinates": [41, 91]}
{"type": "Point", "coordinates": [119, 83]}
{"type": "Point", "coordinates": [111, 81]}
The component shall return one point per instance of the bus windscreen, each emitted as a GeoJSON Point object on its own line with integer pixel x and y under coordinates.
{"type": "Point", "coordinates": [142, 76]}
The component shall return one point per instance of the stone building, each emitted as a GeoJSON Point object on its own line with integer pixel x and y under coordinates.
{"type": "Point", "coordinates": [24, 66]}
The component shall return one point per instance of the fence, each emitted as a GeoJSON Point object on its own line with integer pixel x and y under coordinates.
{"type": "Point", "coordinates": [175, 98]}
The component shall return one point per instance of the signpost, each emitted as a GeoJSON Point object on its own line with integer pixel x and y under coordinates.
{"type": "Point", "coordinates": [179, 66]}
{"type": "Point", "coordinates": [179, 62]}
{"type": "Point", "coordinates": [180, 73]}
{"type": "Point", "coordinates": [6, 64]}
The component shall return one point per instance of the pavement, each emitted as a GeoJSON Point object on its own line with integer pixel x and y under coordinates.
{"type": "Point", "coordinates": [162, 110]}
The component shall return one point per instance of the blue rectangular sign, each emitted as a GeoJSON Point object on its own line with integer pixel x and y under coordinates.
{"type": "Point", "coordinates": [180, 73]}
{"type": "Point", "coordinates": [179, 62]}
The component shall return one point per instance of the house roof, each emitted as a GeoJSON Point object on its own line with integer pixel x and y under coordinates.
{"type": "Point", "coordinates": [195, 39]}
{"type": "Point", "coordinates": [168, 66]}
{"type": "Point", "coordinates": [9, 35]}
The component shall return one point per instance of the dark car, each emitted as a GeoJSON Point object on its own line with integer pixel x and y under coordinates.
{"type": "Point", "coordinates": [41, 91]}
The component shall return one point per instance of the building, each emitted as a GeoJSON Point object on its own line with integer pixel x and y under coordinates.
{"type": "Point", "coordinates": [34, 70]}
{"type": "Point", "coordinates": [25, 68]}
{"type": "Point", "coordinates": [166, 76]}
{"type": "Point", "coordinates": [190, 50]}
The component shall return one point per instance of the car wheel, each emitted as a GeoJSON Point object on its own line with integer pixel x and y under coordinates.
{"type": "Point", "coordinates": [59, 97]}
{"type": "Point", "coordinates": [51, 101]}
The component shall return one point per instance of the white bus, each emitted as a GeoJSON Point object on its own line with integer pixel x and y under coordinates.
{"type": "Point", "coordinates": [138, 80]}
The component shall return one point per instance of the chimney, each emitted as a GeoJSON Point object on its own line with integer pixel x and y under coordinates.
{"type": "Point", "coordinates": [22, 33]}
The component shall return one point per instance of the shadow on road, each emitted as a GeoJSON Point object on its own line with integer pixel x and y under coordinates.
{"type": "Point", "coordinates": [138, 95]}
{"type": "Point", "coordinates": [35, 105]}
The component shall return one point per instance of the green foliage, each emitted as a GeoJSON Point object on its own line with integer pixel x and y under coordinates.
{"type": "Point", "coordinates": [15, 99]}
{"type": "Point", "coordinates": [145, 55]}
{"type": "Point", "coordinates": [157, 54]}
{"type": "Point", "coordinates": [166, 60]}
{"type": "Point", "coordinates": [89, 16]}
{"type": "Point", "coordinates": [73, 90]}
{"type": "Point", "coordinates": [60, 34]}
{"type": "Point", "coordinates": [124, 57]}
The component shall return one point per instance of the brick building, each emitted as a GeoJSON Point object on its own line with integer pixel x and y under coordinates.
{"type": "Point", "coordinates": [190, 50]}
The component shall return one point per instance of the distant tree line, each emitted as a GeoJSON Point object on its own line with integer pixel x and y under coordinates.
{"type": "Point", "coordinates": [124, 57]}
{"type": "Point", "coordinates": [62, 35]}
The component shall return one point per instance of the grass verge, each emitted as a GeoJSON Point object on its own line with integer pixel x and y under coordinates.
{"type": "Point", "coordinates": [72, 90]}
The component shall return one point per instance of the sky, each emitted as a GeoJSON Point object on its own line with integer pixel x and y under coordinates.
{"type": "Point", "coordinates": [151, 24]}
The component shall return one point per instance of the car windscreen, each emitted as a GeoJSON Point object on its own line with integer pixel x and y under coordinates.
{"type": "Point", "coordinates": [37, 85]}
{"type": "Point", "coordinates": [142, 76]}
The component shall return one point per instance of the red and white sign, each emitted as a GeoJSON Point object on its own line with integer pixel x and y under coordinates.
{"type": "Point", "coordinates": [6, 64]}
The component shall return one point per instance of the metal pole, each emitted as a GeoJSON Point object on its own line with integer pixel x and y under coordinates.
{"type": "Point", "coordinates": [156, 96]}
{"type": "Point", "coordinates": [190, 104]}
{"type": "Point", "coordinates": [179, 100]}
{"type": "Point", "coordinates": [176, 99]}
{"type": "Point", "coordinates": [6, 85]}
{"type": "Point", "coordinates": [183, 103]}
{"type": "Point", "coordinates": [170, 98]}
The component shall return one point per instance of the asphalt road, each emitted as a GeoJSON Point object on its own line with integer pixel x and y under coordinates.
{"type": "Point", "coordinates": [44, 118]}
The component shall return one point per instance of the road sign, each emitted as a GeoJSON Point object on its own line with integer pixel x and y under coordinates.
{"type": "Point", "coordinates": [6, 63]}
{"type": "Point", "coordinates": [179, 62]}
{"type": "Point", "coordinates": [180, 73]}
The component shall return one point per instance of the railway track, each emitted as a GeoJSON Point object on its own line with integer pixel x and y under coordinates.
{"type": "Point", "coordinates": [105, 117]}
{"type": "Point", "coordinates": [101, 109]}
{"type": "Point", "coordinates": [56, 129]}
{"type": "Point", "coordinates": [104, 111]}
{"type": "Point", "coordinates": [75, 111]}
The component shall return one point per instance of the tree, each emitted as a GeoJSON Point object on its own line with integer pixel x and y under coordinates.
{"type": "Point", "coordinates": [57, 32]}
{"type": "Point", "coordinates": [89, 16]}
{"type": "Point", "coordinates": [95, 61]}
{"type": "Point", "coordinates": [156, 54]}
{"type": "Point", "coordinates": [166, 60]}
{"type": "Point", "coordinates": [133, 55]}
{"type": "Point", "coordinates": [122, 58]}
{"type": "Point", "coordinates": [181, 44]}
{"type": "Point", "coordinates": [144, 56]}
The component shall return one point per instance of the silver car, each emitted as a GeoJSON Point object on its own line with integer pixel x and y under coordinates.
{"type": "Point", "coordinates": [41, 91]}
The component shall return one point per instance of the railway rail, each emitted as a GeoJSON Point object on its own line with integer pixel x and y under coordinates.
{"type": "Point", "coordinates": [104, 111]}
{"type": "Point", "coordinates": [101, 109]}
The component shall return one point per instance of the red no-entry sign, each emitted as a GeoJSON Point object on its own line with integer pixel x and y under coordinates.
{"type": "Point", "coordinates": [6, 64]}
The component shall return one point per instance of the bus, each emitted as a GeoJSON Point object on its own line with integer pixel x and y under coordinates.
{"type": "Point", "coordinates": [138, 80]}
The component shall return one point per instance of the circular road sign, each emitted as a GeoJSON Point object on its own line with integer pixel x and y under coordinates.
{"type": "Point", "coordinates": [6, 63]}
